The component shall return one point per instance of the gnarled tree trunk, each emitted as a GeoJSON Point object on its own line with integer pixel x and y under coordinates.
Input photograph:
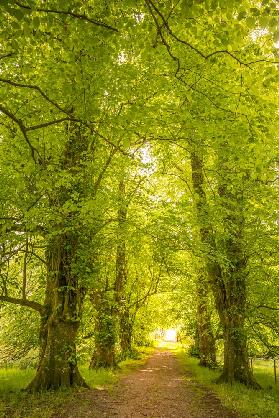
{"type": "Point", "coordinates": [63, 302]}
{"type": "Point", "coordinates": [229, 287]}
{"type": "Point", "coordinates": [104, 333]}
{"type": "Point", "coordinates": [207, 348]}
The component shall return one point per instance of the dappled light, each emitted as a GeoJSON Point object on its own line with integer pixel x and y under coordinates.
{"type": "Point", "coordinates": [170, 335]}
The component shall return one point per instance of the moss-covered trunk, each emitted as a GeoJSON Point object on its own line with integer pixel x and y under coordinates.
{"type": "Point", "coordinates": [64, 293]}
{"type": "Point", "coordinates": [104, 332]}
{"type": "Point", "coordinates": [207, 348]}
{"type": "Point", "coordinates": [231, 298]}
{"type": "Point", "coordinates": [121, 308]}
{"type": "Point", "coordinates": [228, 283]}
{"type": "Point", "coordinates": [231, 306]}
{"type": "Point", "coordinates": [126, 334]}
{"type": "Point", "coordinates": [63, 302]}
{"type": "Point", "coordinates": [236, 362]}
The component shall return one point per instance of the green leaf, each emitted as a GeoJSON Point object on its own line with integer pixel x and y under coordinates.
{"type": "Point", "coordinates": [255, 11]}
{"type": "Point", "coordinates": [242, 15]}
{"type": "Point", "coordinates": [251, 22]}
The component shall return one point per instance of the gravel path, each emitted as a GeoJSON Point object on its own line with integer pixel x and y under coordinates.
{"type": "Point", "coordinates": [158, 389]}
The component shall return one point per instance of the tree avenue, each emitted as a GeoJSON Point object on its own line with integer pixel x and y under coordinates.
{"type": "Point", "coordinates": [138, 175]}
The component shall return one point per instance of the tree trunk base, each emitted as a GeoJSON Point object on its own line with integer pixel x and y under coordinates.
{"type": "Point", "coordinates": [210, 364]}
{"type": "Point", "coordinates": [248, 380]}
{"type": "Point", "coordinates": [103, 358]}
{"type": "Point", "coordinates": [45, 380]}
{"type": "Point", "coordinates": [95, 365]}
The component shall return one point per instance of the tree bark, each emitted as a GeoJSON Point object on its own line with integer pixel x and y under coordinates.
{"type": "Point", "coordinates": [228, 285]}
{"type": "Point", "coordinates": [232, 298]}
{"type": "Point", "coordinates": [64, 295]}
{"type": "Point", "coordinates": [207, 347]}
{"type": "Point", "coordinates": [126, 333]}
{"type": "Point", "coordinates": [231, 301]}
{"type": "Point", "coordinates": [63, 302]}
{"type": "Point", "coordinates": [125, 326]}
{"type": "Point", "coordinates": [105, 332]}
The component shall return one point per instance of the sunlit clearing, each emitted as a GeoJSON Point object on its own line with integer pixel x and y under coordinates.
{"type": "Point", "coordinates": [171, 335]}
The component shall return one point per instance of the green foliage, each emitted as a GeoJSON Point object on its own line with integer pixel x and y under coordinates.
{"type": "Point", "coordinates": [19, 337]}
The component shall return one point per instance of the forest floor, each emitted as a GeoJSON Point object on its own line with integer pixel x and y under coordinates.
{"type": "Point", "coordinates": [160, 388]}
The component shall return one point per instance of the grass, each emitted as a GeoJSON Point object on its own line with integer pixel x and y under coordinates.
{"type": "Point", "coordinates": [14, 379]}
{"type": "Point", "coordinates": [15, 403]}
{"type": "Point", "coordinates": [248, 402]}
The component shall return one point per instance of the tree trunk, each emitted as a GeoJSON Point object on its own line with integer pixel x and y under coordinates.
{"type": "Point", "coordinates": [229, 285]}
{"type": "Point", "coordinates": [63, 301]}
{"type": "Point", "coordinates": [207, 348]}
{"type": "Point", "coordinates": [232, 311]}
{"type": "Point", "coordinates": [126, 332]}
{"type": "Point", "coordinates": [125, 328]}
{"type": "Point", "coordinates": [105, 332]}
{"type": "Point", "coordinates": [236, 361]}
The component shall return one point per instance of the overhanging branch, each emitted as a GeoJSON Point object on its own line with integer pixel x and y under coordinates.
{"type": "Point", "coordinates": [22, 128]}
{"type": "Point", "coordinates": [68, 13]}
{"type": "Point", "coordinates": [38, 89]}
{"type": "Point", "coordinates": [24, 302]}
{"type": "Point", "coordinates": [153, 8]}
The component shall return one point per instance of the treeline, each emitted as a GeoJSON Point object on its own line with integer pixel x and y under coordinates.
{"type": "Point", "coordinates": [138, 157]}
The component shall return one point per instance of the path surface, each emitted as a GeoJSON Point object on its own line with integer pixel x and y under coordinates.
{"type": "Point", "coordinates": [158, 389]}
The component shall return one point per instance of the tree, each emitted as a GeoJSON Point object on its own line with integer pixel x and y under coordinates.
{"type": "Point", "coordinates": [58, 175]}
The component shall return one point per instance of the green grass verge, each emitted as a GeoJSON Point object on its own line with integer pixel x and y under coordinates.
{"type": "Point", "coordinates": [15, 403]}
{"type": "Point", "coordinates": [249, 403]}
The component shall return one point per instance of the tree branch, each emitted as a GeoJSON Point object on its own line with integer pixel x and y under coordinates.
{"type": "Point", "coordinates": [24, 302]}
{"type": "Point", "coordinates": [33, 87]}
{"type": "Point", "coordinates": [102, 172]}
{"type": "Point", "coordinates": [267, 307]}
{"type": "Point", "coordinates": [22, 128]}
{"type": "Point", "coordinates": [45, 124]}
{"type": "Point", "coordinates": [69, 13]}
{"type": "Point", "coordinates": [150, 4]}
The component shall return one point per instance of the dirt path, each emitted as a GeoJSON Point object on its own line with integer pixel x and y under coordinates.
{"type": "Point", "coordinates": [158, 389]}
